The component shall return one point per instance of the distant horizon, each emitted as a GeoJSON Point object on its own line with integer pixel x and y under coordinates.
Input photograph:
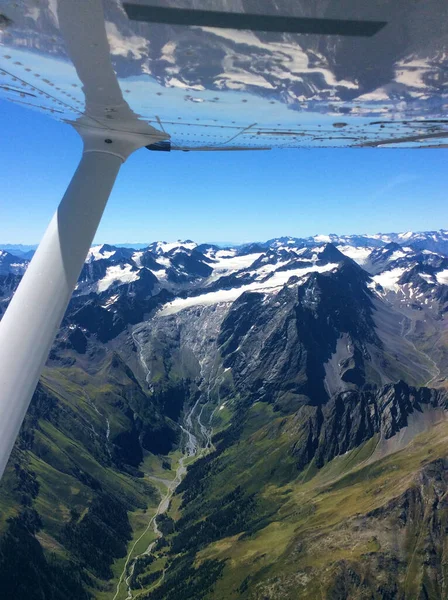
{"type": "Point", "coordinates": [136, 245]}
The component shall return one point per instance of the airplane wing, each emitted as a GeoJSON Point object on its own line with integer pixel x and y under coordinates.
{"type": "Point", "coordinates": [283, 75]}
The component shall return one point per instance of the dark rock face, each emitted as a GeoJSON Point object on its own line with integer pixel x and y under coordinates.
{"type": "Point", "coordinates": [280, 343]}
{"type": "Point", "coordinates": [147, 260]}
{"type": "Point", "coordinates": [131, 303]}
{"type": "Point", "coordinates": [331, 254]}
{"type": "Point", "coordinates": [12, 264]}
{"type": "Point", "coordinates": [133, 308]}
{"type": "Point", "coordinates": [352, 369]}
{"type": "Point", "coordinates": [144, 285]}
{"type": "Point", "coordinates": [382, 258]}
{"type": "Point", "coordinates": [412, 276]}
{"type": "Point", "coordinates": [94, 318]}
{"type": "Point", "coordinates": [8, 284]}
{"type": "Point", "coordinates": [418, 519]}
{"type": "Point", "coordinates": [78, 340]}
{"type": "Point", "coordinates": [185, 266]}
{"type": "Point", "coordinates": [202, 248]}
{"type": "Point", "coordinates": [94, 271]}
{"type": "Point", "coordinates": [308, 425]}
{"type": "Point", "coordinates": [351, 418]}
{"type": "Point", "coordinates": [228, 282]}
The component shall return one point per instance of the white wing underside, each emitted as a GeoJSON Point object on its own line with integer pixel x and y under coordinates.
{"type": "Point", "coordinates": [220, 88]}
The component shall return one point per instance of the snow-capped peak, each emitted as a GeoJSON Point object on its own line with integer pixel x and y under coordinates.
{"type": "Point", "coordinates": [170, 247]}
{"type": "Point", "coordinates": [99, 252]}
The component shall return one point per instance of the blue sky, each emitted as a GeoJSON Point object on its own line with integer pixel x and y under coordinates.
{"type": "Point", "coordinates": [233, 197]}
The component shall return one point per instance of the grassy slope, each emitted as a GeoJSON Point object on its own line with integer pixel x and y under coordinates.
{"type": "Point", "coordinates": [156, 469]}
{"type": "Point", "coordinates": [64, 446]}
{"type": "Point", "coordinates": [309, 530]}
{"type": "Point", "coordinates": [323, 521]}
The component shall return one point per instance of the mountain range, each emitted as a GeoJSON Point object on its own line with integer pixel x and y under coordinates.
{"type": "Point", "coordinates": [257, 422]}
{"type": "Point", "coordinates": [424, 238]}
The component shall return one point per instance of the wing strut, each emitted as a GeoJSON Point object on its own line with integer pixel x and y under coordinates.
{"type": "Point", "coordinates": [29, 325]}
{"type": "Point", "coordinates": [34, 314]}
